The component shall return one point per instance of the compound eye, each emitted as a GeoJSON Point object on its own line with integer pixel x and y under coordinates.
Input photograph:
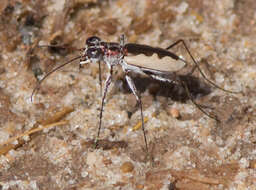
{"type": "Point", "coordinates": [94, 53]}
{"type": "Point", "coordinates": [93, 41]}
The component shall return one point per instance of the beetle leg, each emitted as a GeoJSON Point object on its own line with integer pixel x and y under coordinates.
{"type": "Point", "coordinates": [135, 92]}
{"type": "Point", "coordinates": [107, 83]}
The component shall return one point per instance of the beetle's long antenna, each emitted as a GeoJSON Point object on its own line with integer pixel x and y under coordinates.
{"type": "Point", "coordinates": [197, 65]}
{"type": "Point", "coordinates": [61, 46]}
{"type": "Point", "coordinates": [52, 71]}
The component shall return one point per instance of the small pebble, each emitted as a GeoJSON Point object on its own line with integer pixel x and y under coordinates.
{"type": "Point", "coordinates": [252, 164]}
{"type": "Point", "coordinates": [127, 167]}
{"type": "Point", "coordinates": [174, 113]}
{"type": "Point", "coordinates": [139, 186]}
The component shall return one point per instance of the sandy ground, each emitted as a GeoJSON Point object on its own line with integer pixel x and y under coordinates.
{"type": "Point", "coordinates": [48, 143]}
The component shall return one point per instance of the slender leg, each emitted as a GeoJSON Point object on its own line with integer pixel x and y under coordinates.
{"type": "Point", "coordinates": [134, 91]}
{"type": "Point", "coordinates": [80, 66]}
{"type": "Point", "coordinates": [122, 40]}
{"type": "Point", "coordinates": [100, 79]}
{"type": "Point", "coordinates": [197, 66]}
{"type": "Point", "coordinates": [174, 44]}
{"type": "Point", "coordinates": [163, 79]}
{"type": "Point", "coordinates": [185, 87]}
{"type": "Point", "coordinates": [107, 83]}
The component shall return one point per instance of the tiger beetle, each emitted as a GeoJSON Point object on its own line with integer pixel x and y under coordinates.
{"type": "Point", "coordinates": [154, 62]}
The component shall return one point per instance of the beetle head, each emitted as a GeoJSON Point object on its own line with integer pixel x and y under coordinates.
{"type": "Point", "coordinates": [93, 50]}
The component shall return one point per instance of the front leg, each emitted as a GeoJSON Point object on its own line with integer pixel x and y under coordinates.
{"type": "Point", "coordinates": [134, 91]}
{"type": "Point", "coordinates": [107, 83]}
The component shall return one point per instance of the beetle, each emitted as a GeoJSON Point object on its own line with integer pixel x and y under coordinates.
{"type": "Point", "coordinates": [154, 62]}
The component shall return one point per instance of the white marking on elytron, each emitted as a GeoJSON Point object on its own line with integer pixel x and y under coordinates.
{"type": "Point", "coordinates": [166, 63]}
